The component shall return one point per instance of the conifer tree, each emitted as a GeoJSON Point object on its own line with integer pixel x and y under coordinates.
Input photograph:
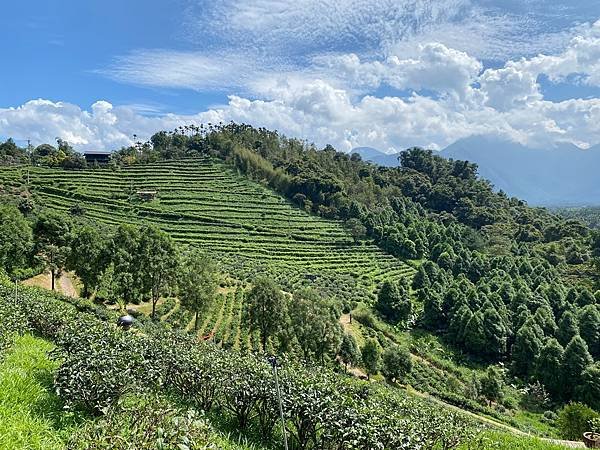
{"type": "Point", "coordinates": [589, 390]}
{"type": "Point", "coordinates": [589, 329]}
{"type": "Point", "coordinates": [496, 333]}
{"type": "Point", "coordinates": [549, 367]}
{"type": "Point", "coordinates": [568, 328]}
{"type": "Point", "coordinates": [526, 348]}
{"type": "Point", "coordinates": [577, 359]}
{"type": "Point", "coordinates": [475, 338]}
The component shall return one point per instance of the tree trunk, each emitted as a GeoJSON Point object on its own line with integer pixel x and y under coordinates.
{"type": "Point", "coordinates": [53, 276]}
{"type": "Point", "coordinates": [263, 339]}
{"type": "Point", "coordinates": [155, 298]}
{"type": "Point", "coordinates": [196, 322]}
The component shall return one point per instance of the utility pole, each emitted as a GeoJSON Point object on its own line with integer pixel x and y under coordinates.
{"type": "Point", "coordinates": [273, 361]}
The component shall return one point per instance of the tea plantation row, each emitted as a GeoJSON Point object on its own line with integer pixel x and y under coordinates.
{"type": "Point", "coordinates": [205, 203]}
{"type": "Point", "coordinates": [100, 364]}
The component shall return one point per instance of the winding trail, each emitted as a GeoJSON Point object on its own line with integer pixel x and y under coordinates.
{"type": "Point", "coordinates": [345, 321]}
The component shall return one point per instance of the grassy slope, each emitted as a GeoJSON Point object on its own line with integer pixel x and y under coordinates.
{"type": "Point", "coordinates": [439, 370]}
{"type": "Point", "coordinates": [493, 440]}
{"type": "Point", "coordinates": [31, 415]}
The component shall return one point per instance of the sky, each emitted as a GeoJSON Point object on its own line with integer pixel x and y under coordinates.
{"type": "Point", "coordinates": [385, 74]}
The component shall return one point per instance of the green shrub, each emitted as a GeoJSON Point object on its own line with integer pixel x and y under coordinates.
{"type": "Point", "coordinates": [365, 317]}
{"type": "Point", "coordinates": [145, 422]}
{"type": "Point", "coordinates": [573, 420]}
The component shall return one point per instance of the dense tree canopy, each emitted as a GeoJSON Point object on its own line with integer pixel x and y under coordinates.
{"type": "Point", "coordinates": [498, 279]}
{"type": "Point", "coordinates": [16, 240]}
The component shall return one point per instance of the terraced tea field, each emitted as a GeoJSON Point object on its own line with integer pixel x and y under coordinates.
{"type": "Point", "coordinates": [203, 202]}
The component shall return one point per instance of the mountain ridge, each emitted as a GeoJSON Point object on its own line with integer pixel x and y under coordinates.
{"type": "Point", "coordinates": [563, 175]}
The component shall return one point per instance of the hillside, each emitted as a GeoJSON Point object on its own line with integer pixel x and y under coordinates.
{"type": "Point", "coordinates": [49, 402]}
{"type": "Point", "coordinates": [554, 176]}
{"type": "Point", "coordinates": [421, 275]}
{"type": "Point", "coordinates": [588, 215]}
{"type": "Point", "coordinates": [204, 203]}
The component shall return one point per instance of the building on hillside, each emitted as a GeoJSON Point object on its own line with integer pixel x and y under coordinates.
{"type": "Point", "coordinates": [147, 195]}
{"type": "Point", "coordinates": [99, 157]}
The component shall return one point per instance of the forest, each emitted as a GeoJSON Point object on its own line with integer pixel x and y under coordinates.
{"type": "Point", "coordinates": [513, 290]}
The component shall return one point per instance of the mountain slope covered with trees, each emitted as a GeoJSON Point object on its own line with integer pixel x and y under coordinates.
{"type": "Point", "coordinates": [423, 256]}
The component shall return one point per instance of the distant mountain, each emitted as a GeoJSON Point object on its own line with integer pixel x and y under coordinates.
{"type": "Point", "coordinates": [563, 175]}
{"type": "Point", "coordinates": [377, 156]}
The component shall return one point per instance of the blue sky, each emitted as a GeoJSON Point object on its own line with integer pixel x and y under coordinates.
{"type": "Point", "coordinates": [388, 74]}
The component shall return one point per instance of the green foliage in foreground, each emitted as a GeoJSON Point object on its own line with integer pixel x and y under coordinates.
{"type": "Point", "coordinates": [31, 415]}
{"type": "Point", "coordinates": [150, 421]}
{"type": "Point", "coordinates": [100, 364]}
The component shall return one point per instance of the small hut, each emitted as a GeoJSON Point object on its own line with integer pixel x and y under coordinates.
{"type": "Point", "coordinates": [147, 195]}
{"type": "Point", "coordinates": [98, 157]}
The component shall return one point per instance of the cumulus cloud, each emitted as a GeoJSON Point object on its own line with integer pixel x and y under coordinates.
{"type": "Point", "coordinates": [347, 99]}
{"type": "Point", "coordinates": [322, 113]}
{"type": "Point", "coordinates": [102, 127]}
{"type": "Point", "coordinates": [434, 67]}
{"type": "Point", "coordinates": [509, 88]}
{"type": "Point", "coordinates": [580, 58]}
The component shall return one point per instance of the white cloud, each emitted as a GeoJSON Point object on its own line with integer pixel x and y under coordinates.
{"type": "Point", "coordinates": [580, 58]}
{"type": "Point", "coordinates": [486, 29]}
{"type": "Point", "coordinates": [434, 67]}
{"type": "Point", "coordinates": [189, 70]}
{"type": "Point", "coordinates": [509, 88]}
{"type": "Point", "coordinates": [300, 26]}
{"type": "Point", "coordinates": [103, 127]}
{"type": "Point", "coordinates": [337, 98]}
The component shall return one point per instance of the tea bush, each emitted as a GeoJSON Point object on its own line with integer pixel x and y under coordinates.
{"type": "Point", "coordinates": [100, 364]}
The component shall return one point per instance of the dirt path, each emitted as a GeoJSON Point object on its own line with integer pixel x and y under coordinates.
{"type": "Point", "coordinates": [345, 321]}
{"type": "Point", "coordinates": [356, 371]}
{"type": "Point", "coordinates": [64, 284]}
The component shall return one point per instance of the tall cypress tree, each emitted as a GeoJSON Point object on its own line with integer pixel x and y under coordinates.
{"type": "Point", "coordinates": [458, 323]}
{"type": "Point", "coordinates": [544, 317]}
{"type": "Point", "coordinates": [549, 367]}
{"type": "Point", "coordinates": [577, 359]}
{"type": "Point", "coordinates": [568, 328]}
{"type": "Point", "coordinates": [475, 339]}
{"type": "Point", "coordinates": [526, 348]}
{"type": "Point", "coordinates": [589, 390]}
{"type": "Point", "coordinates": [433, 313]}
{"type": "Point", "coordinates": [589, 329]}
{"type": "Point", "coordinates": [496, 332]}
